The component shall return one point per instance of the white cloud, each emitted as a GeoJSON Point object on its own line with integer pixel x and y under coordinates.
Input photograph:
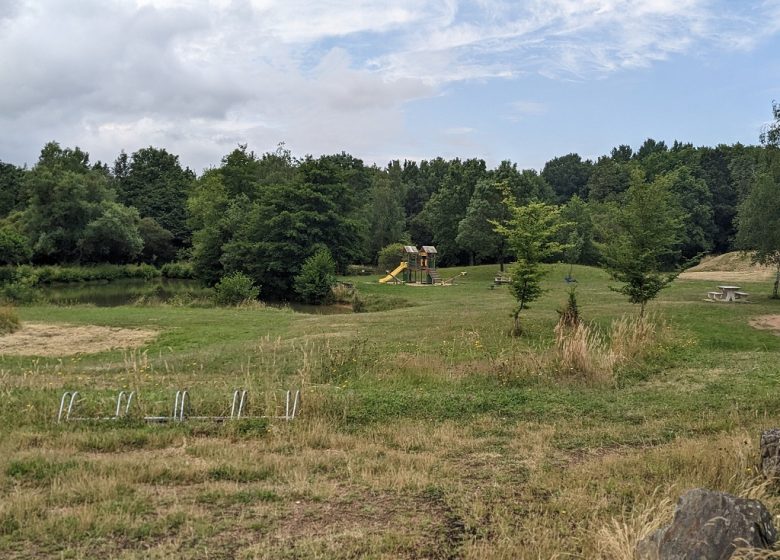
{"type": "Point", "coordinates": [200, 76]}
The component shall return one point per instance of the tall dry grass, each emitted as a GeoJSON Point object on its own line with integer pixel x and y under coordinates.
{"type": "Point", "coordinates": [583, 351]}
{"type": "Point", "coordinates": [726, 464]}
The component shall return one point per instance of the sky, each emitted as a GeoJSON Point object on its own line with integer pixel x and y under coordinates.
{"type": "Point", "coordinates": [524, 80]}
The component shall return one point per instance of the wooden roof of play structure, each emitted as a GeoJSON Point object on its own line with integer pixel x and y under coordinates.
{"type": "Point", "coordinates": [429, 250]}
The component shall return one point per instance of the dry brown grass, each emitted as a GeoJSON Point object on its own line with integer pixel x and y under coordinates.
{"type": "Point", "coordinates": [583, 352]}
{"type": "Point", "coordinates": [730, 267]}
{"type": "Point", "coordinates": [42, 339]}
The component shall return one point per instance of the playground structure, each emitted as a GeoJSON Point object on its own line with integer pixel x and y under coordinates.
{"type": "Point", "coordinates": [418, 266]}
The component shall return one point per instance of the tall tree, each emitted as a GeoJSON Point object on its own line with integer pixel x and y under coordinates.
{"type": "Point", "coordinates": [11, 178]}
{"type": "Point", "coordinates": [68, 204]}
{"type": "Point", "coordinates": [758, 220]}
{"type": "Point", "coordinates": [155, 183]}
{"type": "Point", "coordinates": [609, 180]}
{"type": "Point", "coordinates": [447, 207]}
{"type": "Point", "coordinates": [385, 215]}
{"type": "Point", "coordinates": [695, 200]}
{"type": "Point", "coordinates": [567, 175]}
{"type": "Point", "coordinates": [476, 232]}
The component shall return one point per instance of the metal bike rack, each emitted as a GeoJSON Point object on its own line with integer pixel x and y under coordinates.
{"type": "Point", "coordinates": [182, 409]}
{"type": "Point", "coordinates": [289, 413]}
{"type": "Point", "coordinates": [127, 398]}
{"type": "Point", "coordinates": [239, 402]}
{"type": "Point", "coordinates": [73, 396]}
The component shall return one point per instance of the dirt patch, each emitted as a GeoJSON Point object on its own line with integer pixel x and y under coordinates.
{"type": "Point", "coordinates": [767, 322]}
{"type": "Point", "coordinates": [46, 339]}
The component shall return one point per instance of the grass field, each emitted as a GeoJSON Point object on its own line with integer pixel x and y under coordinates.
{"type": "Point", "coordinates": [425, 431]}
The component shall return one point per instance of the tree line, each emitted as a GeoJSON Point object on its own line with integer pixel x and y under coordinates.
{"type": "Point", "coordinates": [265, 214]}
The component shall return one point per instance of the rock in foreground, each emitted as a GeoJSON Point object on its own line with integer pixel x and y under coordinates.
{"type": "Point", "coordinates": [710, 525]}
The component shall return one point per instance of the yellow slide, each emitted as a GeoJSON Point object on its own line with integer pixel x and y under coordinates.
{"type": "Point", "coordinates": [393, 274]}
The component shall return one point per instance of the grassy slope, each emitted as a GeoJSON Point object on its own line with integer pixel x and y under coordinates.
{"type": "Point", "coordinates": [426, 432]}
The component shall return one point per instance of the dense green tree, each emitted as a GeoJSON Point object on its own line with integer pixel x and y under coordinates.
{"type": "Point", "coordinates": [644, 234]}
{"type": "Point", "coordinates": [316, 279]}
{"type": "Point", "coordinates": [112, 236]}
{"type": "Point", "coordinates": [758, 219]}
{"type": "Point", "coordinates": [476, 233]}
{"type": "Point", "coordinates": [695, 200]}
{"type": "Point", "coordinates": [532, 232]}
{"type": "Point", "coordinates": [70, 214]}
{"type": "Point", "coordinates": [14, 247]}
{"type": "Point", "coordinates": [58, 159]}
{"type": "Point", "coordinates": [649, 147]}
{"type": "Point", "coordinates": [207, 207]}
{"type": "Point", "coordinates": [621, 154]}
{"type": "Point", "coordinates": [158, 243]}
{"type": "Point", "coordinates": [567, 175]}
{"type": "Point", "coordinates": [389, 257]}
{"type": "Point", "coordinates": [11, 178]}
{"type": "Point", "coordinates": [608, 181]}
{"type": "Point", "coordinates": [270, 234]}
{"type": "Point", "coordinates": [154, 182]}
{"type": "Point", "coordinates": [447, 207]}
{"type": "Point", "coordinates": [714, 169]}
{"type": "Point", "coordinates": [385, 215]}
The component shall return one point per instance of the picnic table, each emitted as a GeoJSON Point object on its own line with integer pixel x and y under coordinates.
{"type": "Point", "coordinates": [727, 294]}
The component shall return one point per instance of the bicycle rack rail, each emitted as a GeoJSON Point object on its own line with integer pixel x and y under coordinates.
{"type": "Point", "coordinates": [182, 409]}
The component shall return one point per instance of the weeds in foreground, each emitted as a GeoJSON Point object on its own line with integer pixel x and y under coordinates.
{"type": "Point", "coordinates": [729, 466]}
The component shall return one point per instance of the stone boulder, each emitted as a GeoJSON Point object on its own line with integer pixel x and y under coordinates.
{"type": "Point", "coordinates": [710, 525]}
{"type": "Point", "coordinates": [770, 453]}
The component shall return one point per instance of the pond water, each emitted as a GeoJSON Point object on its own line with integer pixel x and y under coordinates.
{"type": "Point", "coordinates": [163, 290]}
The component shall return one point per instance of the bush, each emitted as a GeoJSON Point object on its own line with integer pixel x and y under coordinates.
{"type": "Point", "coordinates": [181, 270]}
{"type": "Point", "coordinates": [316, 279]}
{"type": "Point", "coordinates": [9, 320]}
{"type": "Point", "coordinates": [17, 284]}
{"type": "Point", "coordinates": [389, 256]}
{"type": "Point", "coordinates": [104, 272]}
{"type": "Point", "coordinates": [14, 247]}
{"type": "Point", "coordinates": [234, 289]}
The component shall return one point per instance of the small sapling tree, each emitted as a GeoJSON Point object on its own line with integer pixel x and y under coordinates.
{"type": "Point", "coordinates": [531, 232]}
{"type": "Point", "coordinates": [643, 235]}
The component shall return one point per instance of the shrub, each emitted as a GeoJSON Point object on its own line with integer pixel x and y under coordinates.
{"type": "Point", "coordinates": [14, 247]}
{"type": "Point", "coordinates": [389, 256]}
{"type": "Point", "coordinates": [234, 289]}
{"type": "Point", "coordinates": [17, 284]}
{"type": "Point", "coordinates": [342, 293]}
{"type": "Point", "coordinates": [9, 320]}
{"type": "Point", "coordinates": [317, 277]}
{"type": "Point", "coordinates": [180, 269]}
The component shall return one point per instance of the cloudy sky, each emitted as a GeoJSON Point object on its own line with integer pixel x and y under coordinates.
{"type": "Point", "coordinates": [524, 80]}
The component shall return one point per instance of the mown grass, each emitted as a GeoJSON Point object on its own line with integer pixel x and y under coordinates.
{"type": "Point", "coordinates": [425, 431]}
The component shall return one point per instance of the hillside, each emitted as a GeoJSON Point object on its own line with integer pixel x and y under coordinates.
{"type": "Point", "coordinates": [734, 266]}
